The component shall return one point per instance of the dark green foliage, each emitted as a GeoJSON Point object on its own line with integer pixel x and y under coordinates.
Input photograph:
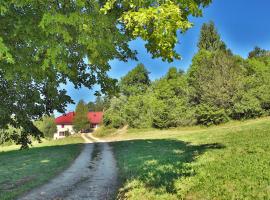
{"type": "Point", "coordinates": [215, 77]}
{"type": "Point", "coordinates": [171, 105]}
{"type": "Point", "coordinates": [246, 107]}
{"type": "Point", "coordinates": [138, 111]}
{"type": "Point", "coordinates": [47, 126]}
{"type": "Point", "coordinates": [6, 134]}
{"type": "Point", "coordinates": [81, 121]}
{"type": "Point", "coordinates": [259, 80]}
{"type": "Point", "coordinates": [257, 52]}
{"type": "Point", "coordinates": [114, 116]}
{"type": "Point", "coordinates": [135, 82]}
{"type": "Point", "coordinates": [210, 115]}
{"type": "Point", "coordinates": [99, 105]}
{"type": "Point", "coordinates": [210, 39]}
{"type": "Point", "coordinates": [172, 113]}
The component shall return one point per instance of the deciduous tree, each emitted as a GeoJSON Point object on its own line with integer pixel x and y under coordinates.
{"type": "Point", "coordinates": [135, 82]}
{"type": "Point", "coordinates": [46, 43]}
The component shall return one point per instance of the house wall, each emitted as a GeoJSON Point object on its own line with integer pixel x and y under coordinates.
{"type": "Point", "coordinates": [63, 129]}
{"type": "Point", "coordinates": [67, 128]}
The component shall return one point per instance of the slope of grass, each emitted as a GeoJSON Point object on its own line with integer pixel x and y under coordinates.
{"type": "Point", "coordinates": [231, 161]}
{"type": "Point", "coordinates": [23, 170]}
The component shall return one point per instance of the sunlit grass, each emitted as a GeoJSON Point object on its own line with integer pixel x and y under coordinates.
{"type": "Point", "coordinates": [224, 162]}
{"type": "Point", "coordinates": [26, 169]}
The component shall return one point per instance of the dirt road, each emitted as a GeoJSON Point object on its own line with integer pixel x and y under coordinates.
{"type": "Point", "coordinates": [93, 175]}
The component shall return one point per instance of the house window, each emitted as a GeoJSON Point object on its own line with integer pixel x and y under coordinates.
{"type": "Point", "coordinates": [62, 133]}
{"type": "Point", "coordinates": [63, 126]}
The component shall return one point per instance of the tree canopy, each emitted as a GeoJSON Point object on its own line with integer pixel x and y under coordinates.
{"type": "Point", "coordinates": [258, 52]}
{"type": "Point", "coordinates": [135, 82]}
{"type": "Point", "coordinates": [44, 44]}
{"type": "Point", "coordinates": [100, 104]}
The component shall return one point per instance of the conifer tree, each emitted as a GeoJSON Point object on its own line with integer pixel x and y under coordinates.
{"type": "Point", "coordinates": [81, 121]}
{"type": "Point", "coordinates": [210, 39]}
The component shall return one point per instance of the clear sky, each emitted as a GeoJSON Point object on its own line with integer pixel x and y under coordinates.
{"type": "Point", "coordinates": [242, 25]}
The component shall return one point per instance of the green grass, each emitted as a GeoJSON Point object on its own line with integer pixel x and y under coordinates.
{"type": "Point", "coordinates": [22, 170]}
{"type": "Point", "coordinates": [103, 131]}
{"type": "Point", "coordinates": [231, 161]}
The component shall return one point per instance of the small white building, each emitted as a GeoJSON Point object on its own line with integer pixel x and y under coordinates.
{"type": "Point", "coordinates": [64, 123]}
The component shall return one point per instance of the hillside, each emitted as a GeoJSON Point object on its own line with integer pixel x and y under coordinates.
{"type": "Point", "coordinates": [222, 162]}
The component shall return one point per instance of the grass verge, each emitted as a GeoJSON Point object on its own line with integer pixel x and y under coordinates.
{"type": "Point", "coordinates": [22, 170]}
{"type": "Point", "coordinates": [103, 132]}
{"type": "Point", "coordinates": [225, 162]}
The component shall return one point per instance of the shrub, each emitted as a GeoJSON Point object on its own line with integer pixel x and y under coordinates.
{"type": "Point", "coordinates": [138, 112]}
{"type": "Point", "coordinates": [113, 120]}
{"type": "Point", "coordinates": [47, 126]}
{"type": "Point", "coordinates": [247, 107]}
{"type": "Point", "coordinates": [104, 131]}
{"type": "Point", "coordinates": [113, 117]}
{"type": "Point", "coordinates": [210, 115]}
{"type": "Point", "coordinates": [172, 112]}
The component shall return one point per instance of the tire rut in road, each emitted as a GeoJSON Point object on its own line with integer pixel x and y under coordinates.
{"type": "Point", "coordinates": [93, 175]}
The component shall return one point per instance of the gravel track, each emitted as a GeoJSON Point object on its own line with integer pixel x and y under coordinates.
{"type": "Point", "coordinates": [93, 175]}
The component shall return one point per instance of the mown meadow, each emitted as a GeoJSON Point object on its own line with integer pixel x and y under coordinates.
{"type": "Point", "coordinates": [22, 170]}
{"type": "Point", "coordinates": [230, 161]}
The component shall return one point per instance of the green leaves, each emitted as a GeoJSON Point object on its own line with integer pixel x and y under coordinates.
{"type": "Point", "coordinates": [81, 121]}
{"type": "Point", "coordinates": [44, 44]}
{"type": "Point", "coordinates": [135, 82]}
{"type": "Point", "coordinates": [4, 53]}
{"type": "Point", "coordinates": [210, 39]}
{"type": "Point", "coordinates": [47, 126]}
{"type": "Point", "coordinates": [158, 26]}
{"type": "Point", "coordinates": [157, 22]}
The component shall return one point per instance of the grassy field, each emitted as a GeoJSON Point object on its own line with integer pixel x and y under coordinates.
{"type": "Point", "coordinates": [231, 161]}
{"type": "Point", "coordinates": [23, 170]}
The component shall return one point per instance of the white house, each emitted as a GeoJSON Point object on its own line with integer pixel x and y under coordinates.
{"type": "Point", "coordinates": [64, 123]}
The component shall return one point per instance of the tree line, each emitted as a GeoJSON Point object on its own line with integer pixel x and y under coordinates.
{"type": "Point", "coordinates": [217, 87]}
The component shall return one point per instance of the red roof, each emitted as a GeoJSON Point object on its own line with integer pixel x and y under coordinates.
{"type": "Point", "coordinates": [93, 117]}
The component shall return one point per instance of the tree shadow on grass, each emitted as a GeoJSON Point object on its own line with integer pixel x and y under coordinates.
{"type": "Point", "coordinates": [158, 163]}
{"type": "Point", "coordinates": [21, 170]}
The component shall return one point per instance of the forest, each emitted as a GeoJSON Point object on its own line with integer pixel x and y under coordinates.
{"type": "Point", "coordinates": [217, 87]}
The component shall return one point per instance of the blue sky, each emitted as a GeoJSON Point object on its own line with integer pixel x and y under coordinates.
{"type": "Point", "coordinates": [242, 25]}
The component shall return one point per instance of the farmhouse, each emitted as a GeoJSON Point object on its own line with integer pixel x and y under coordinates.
{"type": "Point", "coordinates": [64, 123]}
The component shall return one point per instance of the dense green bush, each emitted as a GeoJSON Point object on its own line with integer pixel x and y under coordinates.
{"type": "Point", "coordinates": [138, 112]}
{"type": "Point", "coordinates": [247, 107]}
{"type": "Point", "coordinates": [47, 126]}
{"type": "Point", "coordinates": [113, 120]}
{"type": "Point", "coordinates": [172, 113]}
{"type": "Point", "coordinates": [210, 115]}
{"type": "Point", "coordinates": [113, 116]}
